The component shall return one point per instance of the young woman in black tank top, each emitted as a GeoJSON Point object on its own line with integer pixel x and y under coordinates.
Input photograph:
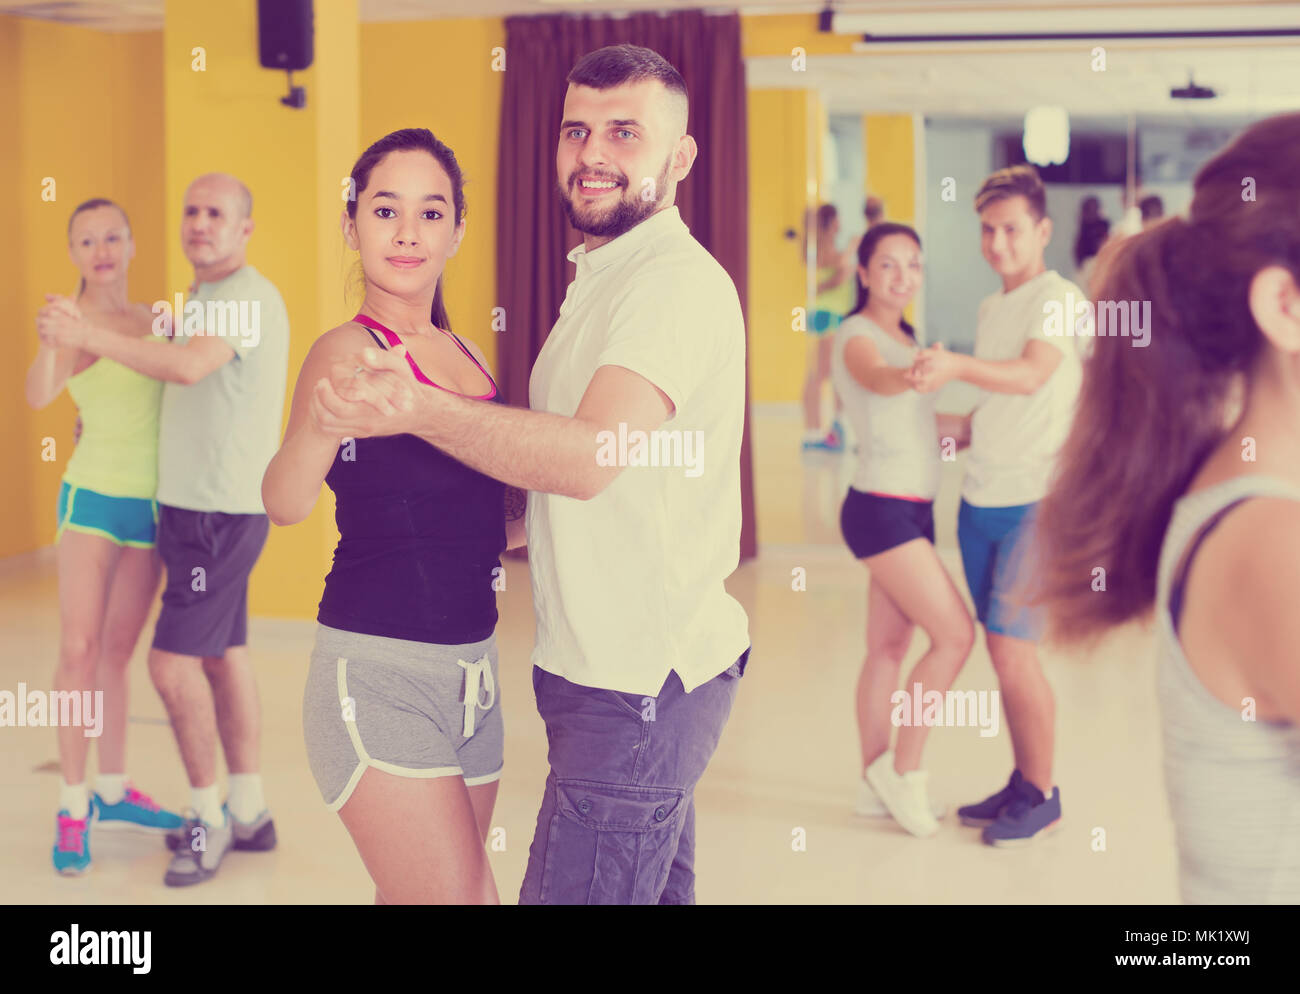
{"type": "Point", "coordinates": [400, 713]}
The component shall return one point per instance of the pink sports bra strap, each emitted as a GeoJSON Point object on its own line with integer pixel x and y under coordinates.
{"type": "Point", "coordinates": [394, 340]}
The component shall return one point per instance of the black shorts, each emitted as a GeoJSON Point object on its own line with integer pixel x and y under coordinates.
{"type": "Point", "coordinates": [205, 613]}
{"type": "Point", "coordinates": [872, 524]}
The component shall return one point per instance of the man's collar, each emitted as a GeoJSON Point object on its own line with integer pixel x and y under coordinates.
{"type": "Point", "coordinates": [199, 284]}
{"type": "Point", "coordinates": [625, 244]}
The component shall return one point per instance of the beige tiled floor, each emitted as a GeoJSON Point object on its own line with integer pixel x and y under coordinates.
{"type": "Point", "coordinates": [787, 760]}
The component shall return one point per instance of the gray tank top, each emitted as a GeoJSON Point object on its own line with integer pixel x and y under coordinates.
{"type": "Point", "coordinates": [1233, 784]}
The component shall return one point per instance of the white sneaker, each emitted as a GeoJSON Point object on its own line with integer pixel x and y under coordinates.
{"type": "Point", "coordinates": [869, 804]}
{"type": "Point", "coordinates": [905, 796]}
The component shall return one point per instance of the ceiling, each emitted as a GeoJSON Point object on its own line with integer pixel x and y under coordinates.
{"type": "Point", "coordinates": [143, 15]}
{"type": "Point", "coordinates": [1250, 80]}
{"type": "Point", "coordinates": [1251, 77]}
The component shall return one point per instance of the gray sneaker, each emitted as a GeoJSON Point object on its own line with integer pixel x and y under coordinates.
{"type": "Point", "coordinates": [199, 860]}
{"type": "Point", "coordinates": [257, 835]}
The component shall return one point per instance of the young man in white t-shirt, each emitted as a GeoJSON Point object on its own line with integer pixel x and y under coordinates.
{"type": "Point", "coordinates": [639, 646]}
{"type": "Point", "coordinates": [1027, 361]}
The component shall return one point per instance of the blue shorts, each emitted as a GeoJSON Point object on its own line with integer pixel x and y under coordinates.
{"type": "Point", "coordinates": [129, 521]}
{"type": "Point", "coordinates": [994, 542]}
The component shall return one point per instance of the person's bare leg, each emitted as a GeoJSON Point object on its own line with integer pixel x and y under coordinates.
{"type": "Point", "coordinates": [135, 584]}
{"type": "Point", "coordinates": [1030, 706]}
{"type": "Point", "coordinates": [823, 369]}
{"type": "Point", "coordinates": [889, 634]}
{"type": "Point", "coordinates": [239, 715]}
{"type": "Point", "coordinates": [812, 390]}
{"type": "Point", "coordinates": [188, 697]}
{"type": "Point", "coordinates": [419, 840]}
{"type": "Point", "coordinates": [483, 798]}
{"type": "Point", "coordinates": [920, 589]}
{"type": "Point", "coordinates": [86, 564]}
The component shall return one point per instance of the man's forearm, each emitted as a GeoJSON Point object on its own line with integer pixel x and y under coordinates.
{"type": "Point", "coordinates": [532, 450]}
{"type": "Point", "coordinates": [1006, 376]}
{"type": "Point", "coordinates": [161, 361]}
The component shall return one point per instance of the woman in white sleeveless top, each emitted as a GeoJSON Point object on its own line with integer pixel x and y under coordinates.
{"type": "Point", "coordinates": [1181, 478]}
{"type": "Point", "coordinates": [887, 521]}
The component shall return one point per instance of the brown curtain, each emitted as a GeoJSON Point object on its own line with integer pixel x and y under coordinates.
{"type": "Point", "coordinates": [534, 236]}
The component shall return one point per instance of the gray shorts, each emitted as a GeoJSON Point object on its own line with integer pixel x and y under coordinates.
{"type": "Point", "coordinates": [399, 706]}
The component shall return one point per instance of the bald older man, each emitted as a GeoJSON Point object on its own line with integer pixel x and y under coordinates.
{"type": "Point", "coordinates": [225, 372]}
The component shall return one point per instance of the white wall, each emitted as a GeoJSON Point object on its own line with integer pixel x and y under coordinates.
{"type": "Point", "coordinates": [956, 276]}
{"type": "Point", "coordinates": [1063, 207]}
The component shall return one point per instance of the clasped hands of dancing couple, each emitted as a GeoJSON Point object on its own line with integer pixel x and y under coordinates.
{"type": "Point", "coordinates": [932, 367]}
{"type": "Point", "coordinates": [372, 393]}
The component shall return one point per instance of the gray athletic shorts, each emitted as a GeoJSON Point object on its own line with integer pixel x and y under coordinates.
{"type": "Point", "coordinates": [399, 706]}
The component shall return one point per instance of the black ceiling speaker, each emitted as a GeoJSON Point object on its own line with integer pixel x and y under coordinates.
{"type": "Point", "coordinates": [1191, 91]}
{"type": "Point", "coordinates": [284, 33]}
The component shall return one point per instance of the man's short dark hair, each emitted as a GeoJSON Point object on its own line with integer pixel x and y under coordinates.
{"type": "Point", "coordinates": [1152, 207]}
{"type": "Point", "coordinates": [1014, 181]}
{"type": "Point", "coordinates": [615, 65]}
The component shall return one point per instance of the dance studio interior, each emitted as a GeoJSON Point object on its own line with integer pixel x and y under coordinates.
{"type": "Point", "coordinates": [811, 123]}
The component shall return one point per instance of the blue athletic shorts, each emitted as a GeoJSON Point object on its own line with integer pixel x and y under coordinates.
{"type": "Point", "coordinates": [994, 544]}
{"type": "Point", "coordinates": [130, 521]}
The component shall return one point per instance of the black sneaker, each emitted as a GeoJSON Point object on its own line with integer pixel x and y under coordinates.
{"type": "Point", "coordinates": [986, 812]}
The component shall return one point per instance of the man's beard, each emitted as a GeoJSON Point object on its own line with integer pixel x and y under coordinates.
{"type": "Point", "coordinates": [625, 215]}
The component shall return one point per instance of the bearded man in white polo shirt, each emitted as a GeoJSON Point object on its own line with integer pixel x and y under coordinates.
{"type": "Point", "coordinates": [639, 646]}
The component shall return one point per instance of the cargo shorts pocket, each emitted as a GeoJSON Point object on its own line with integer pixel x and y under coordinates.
{"type": "Point", "coordinates": [611, 844]}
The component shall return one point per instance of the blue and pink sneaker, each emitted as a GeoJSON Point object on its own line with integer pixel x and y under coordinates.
{"type": "Point", "coordinates": [71, 844]}
{"type": "Point", "coordinates": [832, 441]}
{"type": "Point", "coordinates": [135, 812]}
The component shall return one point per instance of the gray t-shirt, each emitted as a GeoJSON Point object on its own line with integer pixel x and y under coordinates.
{"type": "Point", "coordinates": [218, 435]}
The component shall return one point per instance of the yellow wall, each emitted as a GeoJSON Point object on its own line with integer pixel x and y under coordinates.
{"type": "Point", "coordinates": [157, 124]}
{"type": "Point", "coordinates": [228, 118]}
{"type": "Point", "coordinates": [18, 528]}
{"type": "Point", "coordinates": [83, 107]}
{"type": "Point", "coordinates": [783, 185]}
{"type": "Point", "coordinates": [358, 89]}
{"type": "Point", "coordinates": [154, 123]}
{"type": "Point", "coordinates": [891, 163]}
{"type": "Point", "coordinates": [779, 34]}
{"type": "Point", "coordinates": [786, 174]}
{"type": "Point", "coordinates": [459, 100]}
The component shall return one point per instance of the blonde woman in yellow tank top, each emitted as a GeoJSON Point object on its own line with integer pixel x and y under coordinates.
{"type": "Point", "coordinates": [108, 565]}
